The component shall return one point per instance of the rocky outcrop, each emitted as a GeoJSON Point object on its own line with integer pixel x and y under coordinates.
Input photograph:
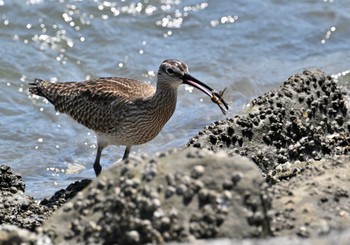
{"type": "Point", "coordinates": [64, 195]}
{"type": "Point", "coordinates": [294, 134]}
{"type": "Point", "coordinates": [290, 181]}
{"type": "Point", "coordinates": [305, 119]}
{"type": "Point", "coordinates": [315, 202]}
{"type": "Point", "coordinates": [179, 196]}
{"type": "Point", "coordinates": [16, 207]}
{"type": "Point", "coordinates": [12, 235]}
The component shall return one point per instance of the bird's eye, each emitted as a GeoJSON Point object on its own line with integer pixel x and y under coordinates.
{"type": "Point", "coordinates": [170, 71]}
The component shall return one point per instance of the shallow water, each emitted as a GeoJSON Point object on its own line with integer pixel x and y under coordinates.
{"type": "Point", "coordinates": [246, 46]}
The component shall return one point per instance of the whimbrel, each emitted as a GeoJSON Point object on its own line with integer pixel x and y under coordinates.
{"type": "Point", "coordinates": [123, 111]}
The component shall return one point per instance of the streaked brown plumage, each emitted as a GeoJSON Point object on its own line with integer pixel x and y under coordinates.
{"type": "Point", "coordinates": [122, 111]}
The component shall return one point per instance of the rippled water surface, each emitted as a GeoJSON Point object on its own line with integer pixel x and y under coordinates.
{"type": "Point", "coordinates": [246, 46]}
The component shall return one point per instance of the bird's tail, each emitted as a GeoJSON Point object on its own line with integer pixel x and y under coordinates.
{"type": "Point", "coordinates": [38, 87]}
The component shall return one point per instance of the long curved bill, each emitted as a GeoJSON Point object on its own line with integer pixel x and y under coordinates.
{"type": "Point", "coordinates": [216, 97]}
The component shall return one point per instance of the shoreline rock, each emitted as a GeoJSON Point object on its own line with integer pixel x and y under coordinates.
{"type": "Point", "coordinates": [315, 202]}
{"type": "Point", "coordinates": [182, 196]}
{"type": "Point", "coordinates": [298, 138]}
{"type": "Point", "coordinates": [17, 208]}
{"type": "Point", "coordinates": [305, 119]}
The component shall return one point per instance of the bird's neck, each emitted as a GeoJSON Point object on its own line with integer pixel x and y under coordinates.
{"type": "Point", "coordinates": [165, 101]}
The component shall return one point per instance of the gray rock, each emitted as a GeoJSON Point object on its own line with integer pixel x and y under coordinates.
{"type": "Point", "coordinates": [11, 235]}
{"type": "Point", "coordinates": [64, 195]}
{"type": "Point", "coordinates": [339, 238]}
{"type": "Point", "coordinates": [305, 119]}
{"type": "Point", "coordinates": [10, 181]}
{"type": "Point", "coordinates": [315, 202]}
{"type": "Point", "coordinates": [16, 207]}
{"type": "Point", "coordinates": [293, 134]}
{"type": "Point", "coordinates": [124, 212]}
{"type": "Point", "coordinates": [290, 134]}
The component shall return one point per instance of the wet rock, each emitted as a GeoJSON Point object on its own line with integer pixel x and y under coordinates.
{"type": "Point", "coordinates": [64, 195]}
{"type": "Point", "coordinates": [10, 181]}
{"type": "Point", "coordinates": [23, 211]}
{"type": "Point", "coordinates": [300, 125]}
{"type": "Point", "coordinates": [16, 207]}
{"type": "Point", "coordinates": [198, 206]}
{"type": "Point", "coordinates": [292, 134]}
{"type": "Point", "coordinates": [10, 235]}
{"type": "Point", "coordinates": [302, 120]}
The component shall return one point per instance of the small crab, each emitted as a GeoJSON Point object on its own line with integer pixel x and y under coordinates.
{"type": "Point", "coordinates": [216, 97]}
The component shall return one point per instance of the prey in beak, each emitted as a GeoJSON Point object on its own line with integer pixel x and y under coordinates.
{"type": "Point", "coordinates": [216, 97]}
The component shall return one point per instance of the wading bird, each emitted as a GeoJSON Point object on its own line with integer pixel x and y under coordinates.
{"type": "Point", "coordinates": [123, 111]}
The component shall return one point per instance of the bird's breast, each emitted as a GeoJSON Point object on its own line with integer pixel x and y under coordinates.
{"type": "Point", "coordinates": [140, 123]}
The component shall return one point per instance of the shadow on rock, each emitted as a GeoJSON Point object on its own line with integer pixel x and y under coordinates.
{"type": "Point", "coordinates": [64, 195]}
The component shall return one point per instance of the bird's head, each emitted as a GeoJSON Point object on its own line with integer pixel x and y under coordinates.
{"type": "Point", "coordinates": [173, 73]}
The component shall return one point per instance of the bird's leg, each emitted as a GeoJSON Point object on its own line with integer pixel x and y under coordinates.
{"type": "Point", "coordinates": [126, 153]}
{"type": "Point", "coordinates": [97, 165]}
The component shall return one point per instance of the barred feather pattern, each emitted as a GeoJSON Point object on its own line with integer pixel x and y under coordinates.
{"type": "Point", "coordinates": [120, 110]}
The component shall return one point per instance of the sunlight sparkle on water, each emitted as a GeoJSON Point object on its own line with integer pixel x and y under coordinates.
{"type": "Point", "coordinates": [55, 171]}
{"type": "Point", "coordinates": [170, 22]}
{"type": "Point", "coordinates": [328, 34]}
{"type": "Point", "coordinates": [189, 88]}
{"type": "Point", "coordinates": [224, 20]}
{"type": "Point", "coordinates": [340, 74]}
{"type": "Point", "coordinates": [33, 1]}
{"type": "Point", "coordinates": [199, 6]}
{"type": "Point", "coordinates": [150, 9]}
{"type": "Point", "coordinates": [167, 34]}
{"type": "Point", "coordinates": [151, 73]}
{"type": "Point", "coordinates": [23, 78]}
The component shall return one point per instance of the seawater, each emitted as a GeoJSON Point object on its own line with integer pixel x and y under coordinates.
{"type": "Point", "coordinates": [247, 46]}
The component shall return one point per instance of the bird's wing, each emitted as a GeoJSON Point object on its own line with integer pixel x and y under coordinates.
{"type": "Point", "coordinates": [94, 102]}
{"type": "Point", "coordinates": [115, 89]}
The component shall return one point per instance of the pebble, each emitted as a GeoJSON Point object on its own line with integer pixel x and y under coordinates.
{"type": "Point", "coordinates": [133, 236]}
{"type": "Point", "coordinates": [197, 171]}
